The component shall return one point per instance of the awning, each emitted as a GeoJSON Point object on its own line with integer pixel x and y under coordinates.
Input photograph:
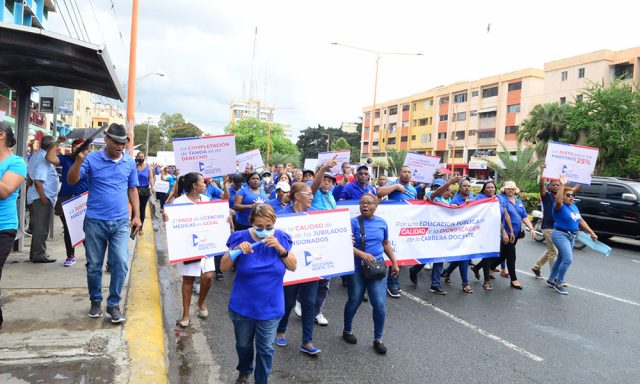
{"type": "Point", "coordinates": [33, 57]}
{"type": "Point", "coordinates": [619, 62]}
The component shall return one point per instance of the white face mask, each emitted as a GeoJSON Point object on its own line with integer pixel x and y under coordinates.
{"type": "Point", "coordinates": [266, 179]}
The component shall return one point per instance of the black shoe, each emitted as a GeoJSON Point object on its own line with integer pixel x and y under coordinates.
{"type": "Point", "coordinates": [43, 260]}
{"type": "Point", "coordinates": [379, 347]}
{"type": "Point", "coordinates": [219, 276]}
{"type": "Point", "coordinates": [116, 315]}
{"type": "Point", "coordinates": [96, 310]}
{"type": "Point", "coordinates": [365, 298]}
{"type": "Point", "coordinates": [438, 291]}
{"type": "Point", "coordinates": [349, 337]}
{"type": "Point", "coordinates": [413, 276]}
{"type": "Point", "coordinates": [536, 272]}
{"type": "Point", "coordinates": [243, 378]}
{"type": "Point", "coordinates": [393, 292]}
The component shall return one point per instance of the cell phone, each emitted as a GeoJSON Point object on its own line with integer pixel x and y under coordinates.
{"type": "Point", "coordinates": [88, 142]}
{"type": "Point", "coordinates": [132, 234]}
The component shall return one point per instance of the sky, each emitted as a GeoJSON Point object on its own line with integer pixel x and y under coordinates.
{"type": "Point", "coordinates": [205, 48]}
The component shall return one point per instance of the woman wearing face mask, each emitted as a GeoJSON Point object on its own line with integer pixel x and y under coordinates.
{"type": "Point", "coordinates": [13, 172]}
{"type": "Point", "coordinates": [300, 198]}
{"type": "Point", "coordinates": [257, 301]}
{"type": "Point", "coordinates": [246, 199]}
{"type": "Point", "coordinates": [145, 184]}
{"type": "Point", "coordinates": [193, 186]}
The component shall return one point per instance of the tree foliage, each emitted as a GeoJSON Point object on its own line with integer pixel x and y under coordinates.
{"type": "Point", "coordinates": [182, 130]}
{"type": "Point", "coordinates": [155, 138]}
{"type": "Point", "coordinates": [252, 133]}
{"type": "Point", "coordinates": [313, 140]}
{"type": "Point", "coordinates": [340, 144]}
{"type": "Point", "coordinates": [521, 168]}
{"type": "Point", "coordinates": [547, 122]}
{"type": "Point", "coordinates": [395, 159]}
{"type": "Point", "coordinates": [279, 158]}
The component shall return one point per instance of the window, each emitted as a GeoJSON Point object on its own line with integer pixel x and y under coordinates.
{"type": "Point", "coordinates": [414, 107]}
{"type": "Point", "coordinates": [377, 114]}
{"type": "Point", "coordinates": [430, 120]}
{"type": "Point", "coordinates": [383, 140]}
{"type": "Point", "coordinates": [580, 73]}
{"type": "Point", "coordinates": [513, 108]}
{"type": "Point", "coordinates": [488, 115]}
{"type": "Point", "coordinates": [459, 153]}
{"type": "Point", "coordinates": [365, 144]}
{"type": "Point", "coordinates": [413, 137]}
{"type": "Point", "coordinates": [474, 93]}
{"type": "Point", "coordinates": [422, 122]}
{"type": "Point", "coordinates": [472, 133]}
{"type": "Point", "coordinates": [487, 134]}
{"type": "Point", "coordinates": [442, 135]}
{"type": "Point", "coordinates": [405, 108]}
{"type": "Point", "coordinates": [579, 98]}
{"type": "Point", "coordinates": [444, 117]}
{"type": "Point", "coordinates": [511, 129]}
{"type": "Point", "coordinates": [425, 138]}
{"type": "Point", "coordinates": [614, 192]}
{"type": "Point", "coordinates": [376, 128]}
{"type": "Point", "coordinates": [405, 123]}
{"type": "Point", "coordinates": [460, 116]}
{"type": "Point", "coordinates": [384, 112]}
{"type": "Point", "coordinates": [415, 122]}
{"type": "Point", "coordinates": [393, 110]}
{"type": "Point", "coordinates": [391, 141]}
{"type": "Point", "coordinates": [459, 135]}
{"type": "Point", "coordinates": [460, 97]}
{"type": "Point", "coordinates": [563, 100]}
{"type": "Point", "coordinates": [563, 76]}
{"type": "Point", "coordinates": [429, 103]}
{"type": "Point", "coordinates": [392, 128]}
{"type": "Point", "coordinates": [515, 86]}
{"type": "Point", "coordinates": [444, 100]}
{"type": "Point", "coordinates": [404, 139]}
{"type": "Point", "coordinates": [592, 190]}
{"type": "Point", "coordinates": [367, 115]}
{"type": "Point", "coordinates": [473, 113]}
{"type": "Point", "coordinates": [489, 92]}
{"type": "Point", "coordinates": [623, 71]}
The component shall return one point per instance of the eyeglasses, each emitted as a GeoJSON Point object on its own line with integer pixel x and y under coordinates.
{"type": "Point", "coordinates": [366, 203]}
{"type": "Point", "coordinates": [306, 193]}
{"type": "Point", "coordinates": [568, 195]}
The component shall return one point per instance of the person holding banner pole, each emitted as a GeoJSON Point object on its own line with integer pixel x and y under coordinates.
{"type": "Point", "coordinates": [256, 304]}
{"type": "Point", "coordinates": [371, 244]}
{"type": "Point", "coordinates": [301, 197]}
{"type": "Point", "coordinates": [246, 199]}
{"type": "Point", "coordinates": [162, 196]}
{"type": "Point", "coordinates": [193, 186]}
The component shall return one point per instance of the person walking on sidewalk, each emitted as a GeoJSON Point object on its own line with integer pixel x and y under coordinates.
{"type": "Point", "coordinates": [145, 185]}
{"type": "Point", "coordinates": [13, 172]}
{"type": "Point", "coordinates": [42, 196]}
{"type": "Point", "coordinates": [113, 181]}
{"type": "Point", "coordinates": [66, 191]}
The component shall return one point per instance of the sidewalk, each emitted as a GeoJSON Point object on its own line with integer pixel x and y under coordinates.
{"type": "Point", "coordinates": [47, 335]}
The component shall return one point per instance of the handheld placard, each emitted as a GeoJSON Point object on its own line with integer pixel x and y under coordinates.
{"type": "Point", "coordinates": [595, 245]}
{"type": "Point", "coordinates": [88, 142]}
{"type": "Point", "coordinates": [234, 253]}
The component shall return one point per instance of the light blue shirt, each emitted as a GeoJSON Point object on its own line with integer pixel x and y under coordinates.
{"type": "Point", "coordinates": [323, 201]}
{"type": "Point", "coordinates": [8, 207]}
{"type": "Point", "coordinates": [40, 169]}
{"type": "Point", "coordinates": [410, 192]}
{"type": "Point", "coordinates": [109, 181]}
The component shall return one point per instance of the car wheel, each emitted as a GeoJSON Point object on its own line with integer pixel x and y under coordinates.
{"type": "Point", "coordinates": [579, 245]}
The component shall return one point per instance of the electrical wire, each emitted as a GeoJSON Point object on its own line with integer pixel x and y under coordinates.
{"type": "Point", "coordinates": [75, 16]}
{"type": "Point", "coordinates": [63, 19]}
{"type": "Point", "coordinates": [97, 22]}
{"type": "Point", "coordinates": [74, 2]}
{"type": "Point", "coordinates": [71, 19]}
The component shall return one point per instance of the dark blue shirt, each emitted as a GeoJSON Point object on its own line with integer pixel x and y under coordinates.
{"type": "Point", "coordinates": [567, 218]}
{"type": "Point", "coordinates": [410, 192]}
{"type": "Point", "coordinates": [66, 189]}
{"type": "Point", "coordinates": [248, 197]}
{"type": "Point", "coordinates": [516, 212]}
{"type": "Point", "coordinates": [143, 176]}
{"type": "Point", "coordinates": [257, 290]}
{"type": "Point", "coordinates": [353, 191]}
{"type": "Point", "coordinates": [376, 231]}
{"type": "Point", "coordinates": [547, 210]}
{"type": "Point", "coordinates": [289, 210]}
{"type": "Point", "coordinates": [276, 204]}
{"type": "Point", "coordinates": [459, 200]}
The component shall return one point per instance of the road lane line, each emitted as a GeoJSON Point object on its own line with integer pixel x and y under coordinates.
{"type": "Point", "coordinates": [475, 328]}
{"type": "Point", "coordinates": [636, 261]}
{"type": "Point", "coordinates": [590, 291]}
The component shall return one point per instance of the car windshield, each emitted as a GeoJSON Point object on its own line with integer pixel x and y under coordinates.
{"type": "Point", "coordinates": [636, 186]}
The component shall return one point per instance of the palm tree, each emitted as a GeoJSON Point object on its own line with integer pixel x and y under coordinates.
{"type": "Point", "coordinates": [396, 161]}
{"type": "Point", "coordinates": [522, 169]}
{"type": "Point", "coordinates": [547, 122]}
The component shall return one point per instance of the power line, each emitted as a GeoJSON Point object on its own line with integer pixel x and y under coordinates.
{"type": "Point", "coordinates": [71, 19]}
{"type": "Point", "coordinates": [113, 8]}
{"type": "Point", "coordinates": [75, 15]}
{"type": "Point", "coordinates": [74, 2]}
{"type": "Point", "coordinates": [63, 19]}
{"type": "Point", "coordinates": [97, 22]}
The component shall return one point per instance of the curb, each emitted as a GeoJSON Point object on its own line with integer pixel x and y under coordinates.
{"type": "Point", "coordinates": [144, 330]}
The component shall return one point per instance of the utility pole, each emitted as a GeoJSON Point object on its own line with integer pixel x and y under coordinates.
{"type": "Point", "coordinates": [131, 84]}
{"type": "Point", "coordinates": [146, 146]}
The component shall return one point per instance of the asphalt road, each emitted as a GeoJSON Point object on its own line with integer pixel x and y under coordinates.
{"type": "Point", "coordinates": [500, 336]}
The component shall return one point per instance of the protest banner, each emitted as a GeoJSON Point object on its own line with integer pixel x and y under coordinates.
{"type": "Point", "coordinates": [165, 158]}
{"type": "Point", "coordinates": [74, 210]}
{"type": "Point", "coordinates": [574, 161]}
{"type": "Point", "coordinates": [422, 166]}
{"type": "Point", "coordinates": [195, 231]}
{"type": "Point", "coordinates": [310, 164]}
{"type": "Point", "coordinates": [426, 232]}
{"type": "Point", "coordinates": [252, 157]}
{"type": "Point", "coordinates": [161, 185]}
{"type": "Point", "coordinates": [211, 156]}
{"type": "Point", "coordinates": [321, 243]}
{"type": "Point", "coordinates": [342, 157]}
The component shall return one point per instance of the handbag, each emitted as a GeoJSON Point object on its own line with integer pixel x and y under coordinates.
{"type": "Point", "coordinates": [144, 191]}
{"type": "Point", "coordinates": [370, 270]}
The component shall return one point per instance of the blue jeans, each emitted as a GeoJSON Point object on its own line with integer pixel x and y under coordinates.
{"type": "Point", "coordinates": [98, 235]}
{"type": "Point", "coordinates": [323, 291]}
{"type": "Point", "coordinates": [377, 297]}
{"type": "Point", "coordinates": [464, 270]}
{"type": "Point", "coordinates": [393, 282]}
{"type": "Point", "coordinates": [436, 271]}
{"type": "Point", "coordinates": [307, 293]}
{"type": "Point", "coordinates": [564, 242]}
{"type": "Point", "coordinates": [263, 332]}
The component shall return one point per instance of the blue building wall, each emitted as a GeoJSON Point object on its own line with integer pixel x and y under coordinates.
{"type": "Point", "coordinates": [31, 13]}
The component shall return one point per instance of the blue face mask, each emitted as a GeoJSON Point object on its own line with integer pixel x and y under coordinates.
{"type": "Point", "coordinates": [263, 233]}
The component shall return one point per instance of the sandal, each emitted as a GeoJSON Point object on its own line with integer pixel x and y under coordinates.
{"type": "Point", "coordinates": [504, 273]}
{"type": "Point", "coordinates": [447, 277]}
{"type": "Point", "coordinates": [476, 273]}
{"type": "Point", "coordinates": [183, 324]}
{"type": "Point", "coordinates": [487, 286]}
{"type": "Point", "coordinates": [467, 288]}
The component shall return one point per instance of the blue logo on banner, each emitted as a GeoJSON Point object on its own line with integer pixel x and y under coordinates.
{"type": "Point", "coordinates": [201, 166]}
{"type": "Point", "coordinates": [194, 238]}
{"type": "Point", "coordinates": [308, 258]}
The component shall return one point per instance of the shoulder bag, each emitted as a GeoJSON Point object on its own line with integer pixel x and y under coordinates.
{"type": "Point", "coordinates": [371, 270]}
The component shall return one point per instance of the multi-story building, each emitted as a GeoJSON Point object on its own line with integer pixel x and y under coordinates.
{"type": "Point", "coordinates": [463, 123]}
{"type": "Point", "coordinates": [106, 114]}
{"type": "Point", "coordinates": [30, 13]}
{"type": "Point", "coordinates": [243, 109]}
{"type": "Point", "coordinates": [565, 79]}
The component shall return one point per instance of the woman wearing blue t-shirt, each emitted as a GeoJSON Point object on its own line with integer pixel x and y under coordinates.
{"type": "Point", "coordinates": [256, 303]}
{"type": "Point", "coordinates": [376, 243]}
{"type": "Point", "coordinates": [567, 222]}
{"type": "Point", "coordinates": [13, 172]}
{"type": "Point", "coordinates": [246, 199]}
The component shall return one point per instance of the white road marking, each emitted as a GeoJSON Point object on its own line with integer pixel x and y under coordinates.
{"type": "Point", "coordinates": [636, 261]}
{"type": "Point", "coordinates": [475, 328]}
{"type": "Point", "coordinates": [590, 291]}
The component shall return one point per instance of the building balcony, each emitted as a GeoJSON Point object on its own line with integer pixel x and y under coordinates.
{"type": "Point", "coordinates": [9, 107]}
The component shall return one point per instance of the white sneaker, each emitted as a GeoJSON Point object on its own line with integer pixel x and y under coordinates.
{"type": "Point", "coordinates": [298, 309]}
{"type": "Point", "coordinates": [196, 288]}
{"type": "Point", "coordinates": [321, 320]}
{"type": "Point", "coordinates": [428, 266]}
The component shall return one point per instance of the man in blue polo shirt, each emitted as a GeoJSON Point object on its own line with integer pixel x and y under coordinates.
{"type": "Point", "coordinates": [113, 180]}
{"type": "Point", "coordinates": [359, 187]}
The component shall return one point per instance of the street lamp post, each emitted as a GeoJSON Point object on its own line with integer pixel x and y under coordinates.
{"type": "Point", "coordinates": [375, 85]}
{"type": "Point", "coordinates": [131, 93]}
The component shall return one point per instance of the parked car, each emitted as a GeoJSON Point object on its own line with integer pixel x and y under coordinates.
{"type": "Point", "coordinates": [611, 206]}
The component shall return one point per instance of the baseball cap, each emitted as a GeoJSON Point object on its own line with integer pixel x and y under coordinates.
{"type": "Point", "coordinates": [266, 173]}
{"type": "Point", "coordinates": [307, 171]}
{"type": "Point", "coordinates": [329, 175]}
{"type": "Point", "coordinates": [438, 182]}
{"type": "Point", "coordinates": [362, 166]}
{"type": "Point", "coordinates": [283, 186]}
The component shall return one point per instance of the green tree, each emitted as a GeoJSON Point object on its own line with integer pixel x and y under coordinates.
{"type": "Point", "coordinates": [547, 122]}
{"type": "Point", "coordinates": [155, 138]}
{"type": "Point", "coordinates": [252, 133]}
{"type": "Point", "coordinates": [521, 168]}
{"type": "Point", "coordinates": [609, 117]}
{"type": "Point", "coordinates": [395, 159]}
{"type": "Point", "coordinates": [168, 120]}
{"type": "Point", "coordinates": [313, 140]}
{"type": "Point", "coordinates": [181, 130]}
{"type": "Point", "coordinates": [340, 144]}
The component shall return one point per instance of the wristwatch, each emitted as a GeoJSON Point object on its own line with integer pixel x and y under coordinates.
{"type": "Point", "coordinates": [284, 255]}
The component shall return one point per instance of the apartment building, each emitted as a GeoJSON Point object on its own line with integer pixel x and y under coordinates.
{"type": "Point", "coordinates": [463, 123]}
{"type": "Point", "coordinates": [244, 109]}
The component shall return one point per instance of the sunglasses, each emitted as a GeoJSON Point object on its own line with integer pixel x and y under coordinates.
{"type": "Point", "coordinates": [568, 195]}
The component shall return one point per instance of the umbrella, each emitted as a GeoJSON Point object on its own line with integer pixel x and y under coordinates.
{"type": "Point", "coordinates": [84, 133]}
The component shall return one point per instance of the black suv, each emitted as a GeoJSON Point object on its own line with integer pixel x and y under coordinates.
{"type": "Point", "coordinates": [611, 206]}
